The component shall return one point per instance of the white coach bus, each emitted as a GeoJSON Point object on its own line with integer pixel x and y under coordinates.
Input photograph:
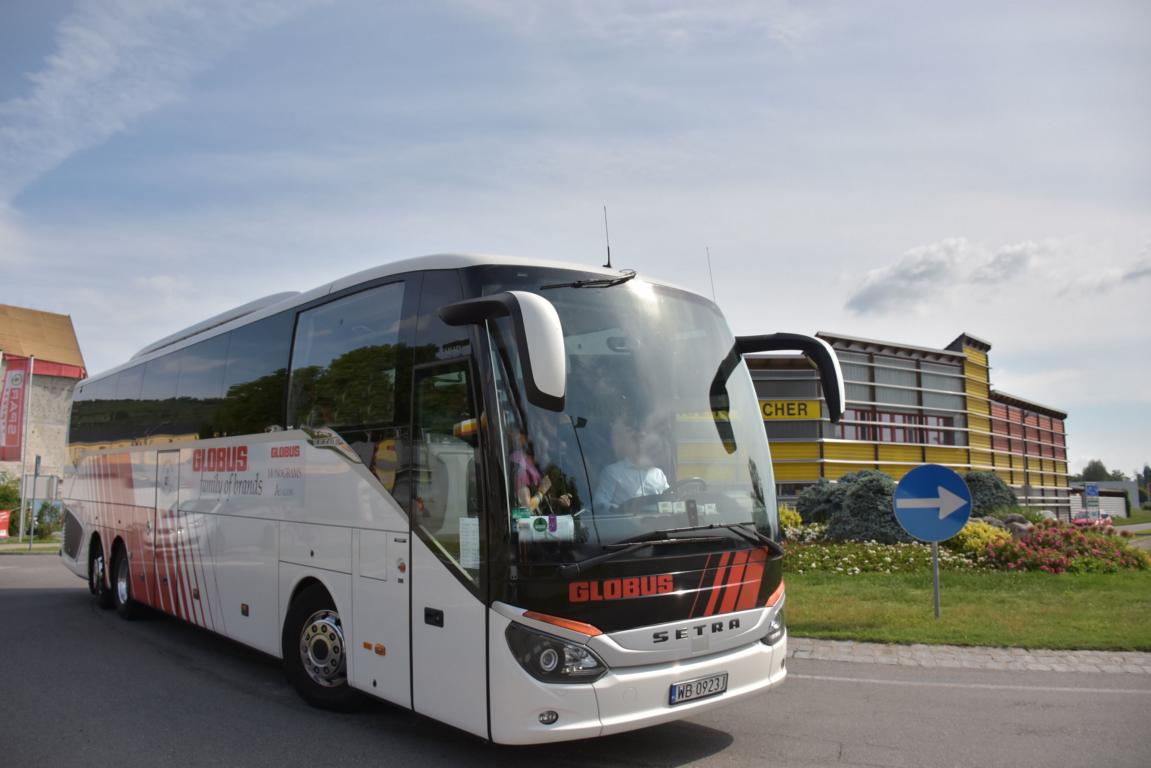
{"type": "Point", "coordinates": [528, 499]}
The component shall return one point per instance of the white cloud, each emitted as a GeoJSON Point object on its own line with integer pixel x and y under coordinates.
{"type": "Point", "coordinates": [630, 22]}
{"type": "Point", "coordinates": [114, 61]}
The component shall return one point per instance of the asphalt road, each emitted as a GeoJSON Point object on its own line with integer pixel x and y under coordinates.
{"type": "Point", "coordinates": [79, 686]}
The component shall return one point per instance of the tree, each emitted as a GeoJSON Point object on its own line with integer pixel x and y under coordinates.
{"type": "Point", "coordinates": [1096, 470]}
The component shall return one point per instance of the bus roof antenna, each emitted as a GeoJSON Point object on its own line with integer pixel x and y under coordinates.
{"type": "Point", "coordinates": [710, 275]}
{"type": "Point", "coordinates": [607, 239]}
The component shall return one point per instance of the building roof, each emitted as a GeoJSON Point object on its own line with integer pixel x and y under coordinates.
{"type": "Point", "coordinates": [1009, 399]}
{"type": "Point", "coordinates": [47, 335]}
{"type": "Point", "coordinates": [967, 340]}
{"type": "Point", "coordinates": [888, 346]}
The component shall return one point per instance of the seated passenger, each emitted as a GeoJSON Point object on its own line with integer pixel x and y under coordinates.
{"type": "Point", "coordinates": [531, 485]}
{"type": "Point", "coordinates": [634, 475]}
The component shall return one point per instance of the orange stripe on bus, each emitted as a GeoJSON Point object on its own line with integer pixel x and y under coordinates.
{"type": "Point", "coordinates": [574, 626]}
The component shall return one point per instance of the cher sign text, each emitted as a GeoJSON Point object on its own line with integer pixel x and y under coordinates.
{"type": "Point", "coordinates": [789, 409]}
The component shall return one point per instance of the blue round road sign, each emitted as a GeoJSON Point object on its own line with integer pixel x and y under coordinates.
{"type": "Point", "coordinates": [932, 502]}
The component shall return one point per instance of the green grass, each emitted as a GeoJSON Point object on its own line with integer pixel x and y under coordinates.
{"type": "Point", "coordinates": [1027, 610]}
{"type": "Point", "coordinates": [1137, 516]}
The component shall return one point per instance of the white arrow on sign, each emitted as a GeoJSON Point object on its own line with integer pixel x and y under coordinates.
{"type": "Point", "coordinates": [946, 502]}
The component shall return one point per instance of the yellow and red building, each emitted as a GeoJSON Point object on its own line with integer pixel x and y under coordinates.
{"type": "Point", "coordinates": [906, 406]}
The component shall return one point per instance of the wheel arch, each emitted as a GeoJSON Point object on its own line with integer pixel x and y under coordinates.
{"type": "Point", "coordinates": [303, 582]}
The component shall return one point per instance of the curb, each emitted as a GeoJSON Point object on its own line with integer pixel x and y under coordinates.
{"type": "Point", "coordinates": [970, 657]}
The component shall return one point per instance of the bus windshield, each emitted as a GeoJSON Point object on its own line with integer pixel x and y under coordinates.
{"type": "Point", "coordinates": [658, 439]}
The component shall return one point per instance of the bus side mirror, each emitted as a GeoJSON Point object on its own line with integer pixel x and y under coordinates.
{"type": "Point", "coordinates": [818, 350]}
{"type": "Point", "coordinates": [539, 339]}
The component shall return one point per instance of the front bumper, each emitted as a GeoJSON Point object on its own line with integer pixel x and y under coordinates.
{"type": "Point", "coordinates": [624, 699]}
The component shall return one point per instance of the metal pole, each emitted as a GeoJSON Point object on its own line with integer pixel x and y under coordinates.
{"type": "Point", "coordinates": [935, 573]}
{"type": "Point", "coordinates": [24, 443]}
{"type": "Point", "coordinates": [32, 511]}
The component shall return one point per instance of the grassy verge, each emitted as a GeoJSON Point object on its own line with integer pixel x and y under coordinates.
{"type": "Point", "coordinates": [1137, 516]}
{"type": "Point", "coordinates": [1027, 610]}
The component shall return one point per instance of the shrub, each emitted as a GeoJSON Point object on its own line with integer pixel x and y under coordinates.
{"type": "Point", "coordinates": [816, 503]}
{"type": "Point", "coordinates": [974, 538]}
{"type": "Point", "coordinates": [788, 517]}
{"type": "Point", "coordinates": [1058, 547]}
{"type": "Point", "coordinates": [989, 492]}
{"type": "Point", "coordinates": [867, 513]}
{"type": "Point", "coordinates": [9, 492]}
{"type": "Point", "coordinates": [850, 558]}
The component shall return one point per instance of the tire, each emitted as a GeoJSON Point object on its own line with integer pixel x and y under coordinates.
{"type": "Point", "coordinates": [315, 654]}
{"type": "Point", "coordinates": [121, 589]}
{"type": "Point", "coordinates": [97, 583]}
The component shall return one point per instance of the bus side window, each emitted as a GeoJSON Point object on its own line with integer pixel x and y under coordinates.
{"type": "Point", "coordinates": [344, 361]}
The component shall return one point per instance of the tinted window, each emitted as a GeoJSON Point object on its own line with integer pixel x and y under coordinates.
{"type": "Point", "coordinates": [256, 376]}
{"type": "Point", "coordinates": [155, 414]}
{"type": "Point", "coordinates": [93, 412]}
{"type": "Point", "coordinates": [200, 390]}
{"type": "Point", "coordinates": [345, 360]}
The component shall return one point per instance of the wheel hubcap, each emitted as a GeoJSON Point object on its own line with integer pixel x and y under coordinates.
{"type": "Point", "coordinates": [98, 572]}
{"type": "Point", "coordinates": [122, 580]}
{"type": "Point", "coordinates": [322, 649]}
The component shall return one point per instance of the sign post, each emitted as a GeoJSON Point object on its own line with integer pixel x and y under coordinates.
{"type": "Point", "coordinates": [1091, 501]}
{"type": "Point", "coordinates": [932, 503]}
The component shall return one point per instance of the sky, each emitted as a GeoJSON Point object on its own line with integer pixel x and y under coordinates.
{"type": "Point", "coordinates": [904, 170]}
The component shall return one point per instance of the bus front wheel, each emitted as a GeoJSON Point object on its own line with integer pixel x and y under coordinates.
{"type": "Point", "coordinates": [315, 651]}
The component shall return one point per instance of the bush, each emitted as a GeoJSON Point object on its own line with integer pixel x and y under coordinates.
{"type": "Point", "coordinates": [850, 558]}
{"type": "Point", "coordinates": [867, 513]}
{"type": "Point", "coordinates": [788, 517]}
{"type": "Point", "coordinates": [989, 492]}
{"type": "Point", "coordinates": [816, 503]}
{"type": "Point", "coordinates": [974, 538]}
{"type": "Point", "coordinates": [9, 492]}
{"type": "Point", "coordinates": [1058, 547]}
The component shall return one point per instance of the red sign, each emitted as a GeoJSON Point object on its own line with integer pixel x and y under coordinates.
{"type": "Point", "coordinates": [12, 407]}
{"type": "Point", "coordinates": [4, 517]}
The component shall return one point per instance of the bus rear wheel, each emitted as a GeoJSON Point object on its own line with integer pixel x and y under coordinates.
{"type": "Point", "coordinates": [97, 580]}
{"type": "Point", "coordinates": [315, 651]}
{"type": "Point", "coordinates": [122, 598]}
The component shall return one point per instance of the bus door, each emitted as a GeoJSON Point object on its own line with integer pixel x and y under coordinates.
{"type": "Point", "coordinates": [449, 625]}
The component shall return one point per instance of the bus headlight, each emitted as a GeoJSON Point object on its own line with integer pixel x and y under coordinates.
{"type": "Point", "coordinates": [776, 629]}
{"type": "Point", "coordinates": [552, 659]}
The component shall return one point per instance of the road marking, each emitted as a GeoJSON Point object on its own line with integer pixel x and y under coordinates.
{"type": "Point", "coordinates": [977, 686]}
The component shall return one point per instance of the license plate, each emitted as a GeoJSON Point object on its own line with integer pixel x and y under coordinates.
{"type": "Point", "coordinates": [700, 688]}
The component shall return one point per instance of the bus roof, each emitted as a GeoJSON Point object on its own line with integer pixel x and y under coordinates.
{"type": "Point", "coordinates": [279, 302]}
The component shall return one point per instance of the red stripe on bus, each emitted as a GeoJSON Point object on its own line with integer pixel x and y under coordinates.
{"type": "Point", "coordinates": [734, 582]}
{"type": "Point", "coordinates": [719, 572]}
{"type": "Point", "coordinates": [752, 579]}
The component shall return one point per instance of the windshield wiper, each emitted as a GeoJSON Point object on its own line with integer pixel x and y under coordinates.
{"type": "Point", "coordinates": [599, 282]}
{"type": "Point", "coordinates": [569, 570]}
{"type": "Point", "coordinates": [652, 538]}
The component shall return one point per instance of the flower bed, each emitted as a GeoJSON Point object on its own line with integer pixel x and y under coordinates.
{"type": "Point", "coordinates": [851, 558]}
{"type": "Point", "coordinates": [1058, 548]}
